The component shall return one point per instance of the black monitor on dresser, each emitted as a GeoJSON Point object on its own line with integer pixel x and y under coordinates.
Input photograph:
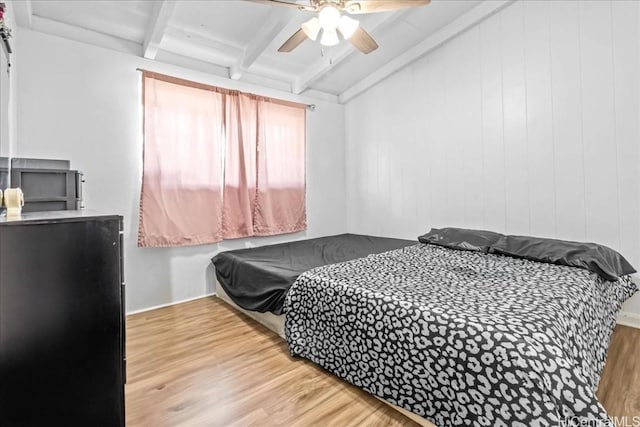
{"type": "Point", "coordinates": [4, 173]}
{"type": "Point", "coordinates": [48, 185]}
{"type": "Point", "coordinates": [4, 178]}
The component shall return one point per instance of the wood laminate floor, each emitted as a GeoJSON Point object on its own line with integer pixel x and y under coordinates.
{"type": "Point", "coordinates": [202, 363]}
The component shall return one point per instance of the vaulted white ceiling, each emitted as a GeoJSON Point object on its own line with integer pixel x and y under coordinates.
{"type": "Point", "coordinates": [240, 39]}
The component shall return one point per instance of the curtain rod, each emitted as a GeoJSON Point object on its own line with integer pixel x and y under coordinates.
{"type": "Point", "coordinates": [310, 107]}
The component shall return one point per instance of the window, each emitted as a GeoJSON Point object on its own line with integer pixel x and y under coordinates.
{"type": "Point", "coordinates": [218, 164]}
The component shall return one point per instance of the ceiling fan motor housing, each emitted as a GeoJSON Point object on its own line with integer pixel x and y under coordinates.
{"type": "Point", "coordinates": [331, 21]}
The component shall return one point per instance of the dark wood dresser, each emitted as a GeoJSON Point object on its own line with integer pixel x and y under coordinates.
{"type": "Point", "coordinates": [62, 354]}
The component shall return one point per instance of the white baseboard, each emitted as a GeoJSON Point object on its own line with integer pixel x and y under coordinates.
{"type": "Point", "coordinates": [142, 310]}
{"type": "Point", "coordinates": [629, 319]}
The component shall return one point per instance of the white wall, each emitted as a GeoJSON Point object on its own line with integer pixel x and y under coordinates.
{"type": "Point", "coordinates": [8, 89]}
{"type": "Point", "coordinates": [5, 102]}
{"type": "Point", "coordinates": [82, 103]}
{"type": "Point", "coordinates": [526, 124]}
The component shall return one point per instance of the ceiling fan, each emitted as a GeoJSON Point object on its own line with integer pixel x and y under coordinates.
{"type": "Point", "coordinates": [332, 18]}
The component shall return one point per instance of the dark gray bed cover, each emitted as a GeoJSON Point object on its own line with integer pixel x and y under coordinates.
{"type": "Point", "coordinates": [258, 279]}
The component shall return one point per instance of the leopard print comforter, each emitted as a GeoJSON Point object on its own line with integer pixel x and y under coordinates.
{"type": "Point", "coordinates": [461, 338]}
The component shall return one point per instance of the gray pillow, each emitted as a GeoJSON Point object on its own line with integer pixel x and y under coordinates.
{"type": "Point", "coordinates": [603, 261]}
{"type": "Point", "coordinates": [460, 238]}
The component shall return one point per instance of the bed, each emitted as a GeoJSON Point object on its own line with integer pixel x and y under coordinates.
{"type": "Point", "coordinates": [461, 337]}
{"type": "Point", "coordinates": [257, 279]}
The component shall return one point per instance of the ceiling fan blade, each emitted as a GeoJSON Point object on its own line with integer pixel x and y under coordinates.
{"type": "Point", "coordinates": [371, 6]}
{"type": "Point", "coordinates": [285, 3]}
{"type": "Point", "coordinates": [363, 41]}
{"type": "Point", "coordinates": [293, 41]}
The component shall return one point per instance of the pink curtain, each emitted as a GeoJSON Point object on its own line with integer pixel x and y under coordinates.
{"type": "Point", "coordinates": [241, 123]}
{"type": "Point", "coordinates": [181, 195]}
{"type": "Point", "coordinates": [219, 164]}
{"type": "Point", "coordinates": [281, 188]}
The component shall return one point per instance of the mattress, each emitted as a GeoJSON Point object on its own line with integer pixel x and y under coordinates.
{"type": "Point", "coordinates": [274, 322]}
{"type": "Point", "coordinates": [257, 279]}
{"type": "Point", "coordinates": [461, 337]}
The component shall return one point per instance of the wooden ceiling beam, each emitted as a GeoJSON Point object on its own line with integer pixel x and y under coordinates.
{"type": "Point", "coordinates": [276, 22]}
{"type": "Point", "coordinates": [158, 23]}
{"type": "Point", "coordinates": [83, 35]}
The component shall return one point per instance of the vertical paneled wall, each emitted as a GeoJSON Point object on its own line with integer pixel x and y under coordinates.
{"type": "Point", "coordinates": [526, 123]}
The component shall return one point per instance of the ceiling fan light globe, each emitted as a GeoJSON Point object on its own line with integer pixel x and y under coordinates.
{"type": "Point", "coordinates": [329, 17]}
{"type": "Point", "coordinates": [347, 26]}
{"type": "Point", "coordinates": [329, 37]}
{"type": "Point", "coordinates": [312, 28]}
